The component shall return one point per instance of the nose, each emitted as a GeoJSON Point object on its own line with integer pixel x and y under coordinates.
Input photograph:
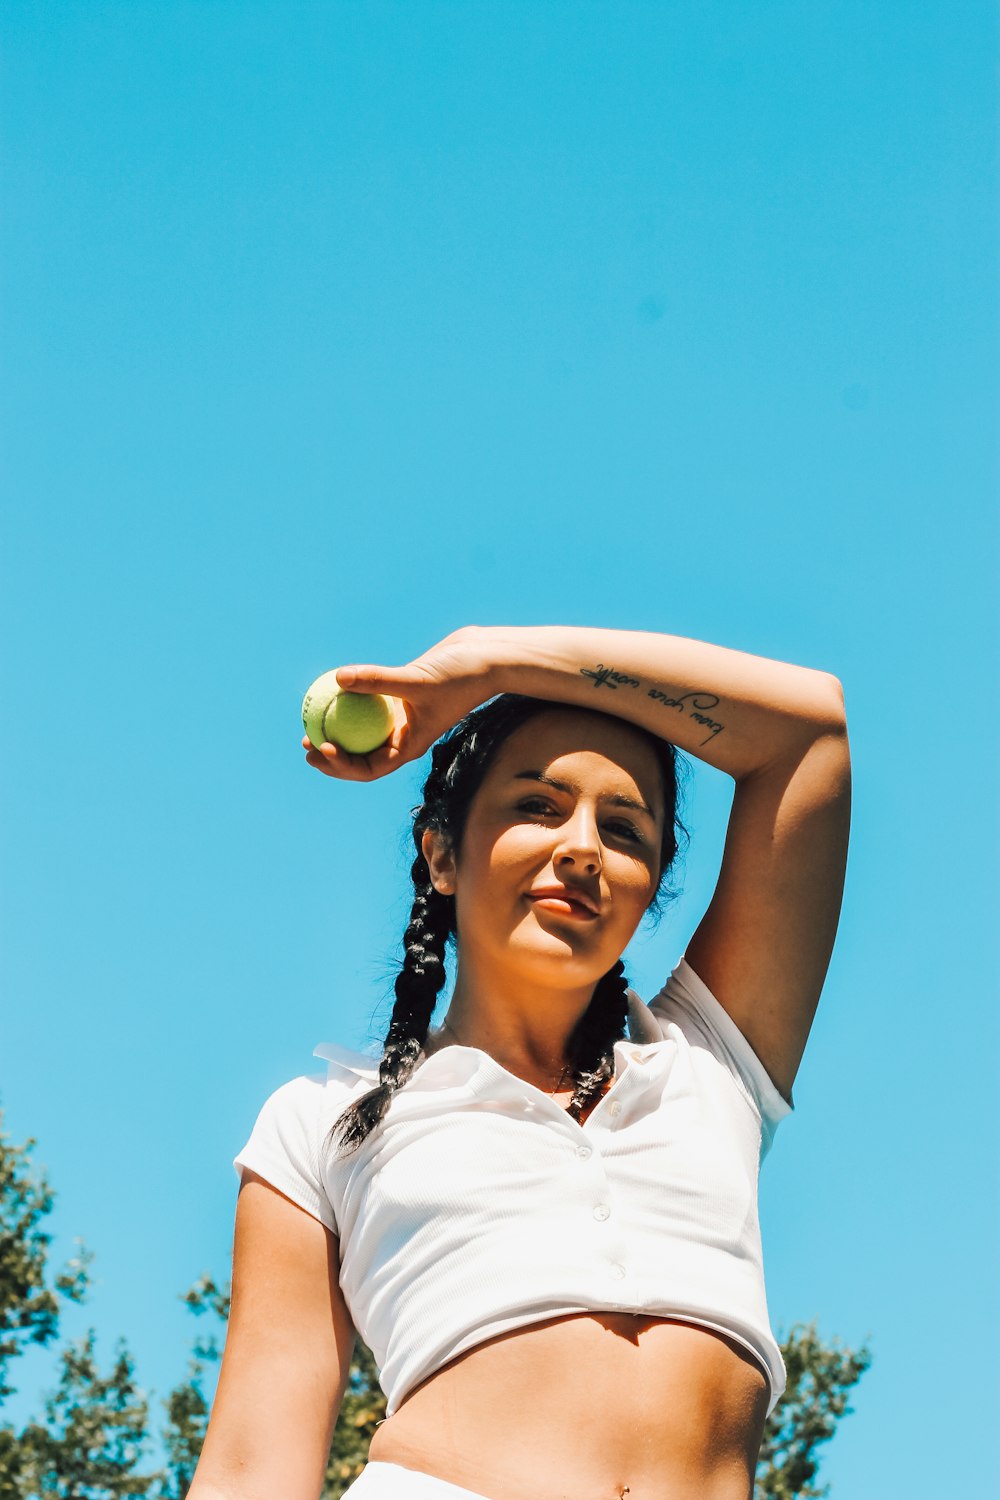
{"type": "Point", "coordinates": [580, 843]}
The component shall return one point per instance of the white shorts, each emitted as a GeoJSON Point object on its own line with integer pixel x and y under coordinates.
{"type": "Point", "coordinates": [381, 1481]}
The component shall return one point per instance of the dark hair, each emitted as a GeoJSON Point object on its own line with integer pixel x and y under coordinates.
{"type": "Point", "coordinates": [459, 762]}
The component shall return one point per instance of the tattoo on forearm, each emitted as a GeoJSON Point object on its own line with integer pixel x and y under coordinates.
{"type": "Point", "coordinates": [695, 709]}
{"type": "Point", "coordinates": [608, 677]}
{"type": "Point", "coordinates": [695, 704]}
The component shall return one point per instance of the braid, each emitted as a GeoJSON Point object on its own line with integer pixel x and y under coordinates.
{"type": "Point", "coordinates": [417, 987]}
{"type": "Point", "coordinates": [591, 1043]}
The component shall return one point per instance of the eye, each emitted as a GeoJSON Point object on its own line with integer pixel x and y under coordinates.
{"type": "Point", "coordinates": [627, 831]}
{"type": "Point", "coordinates": [535, 804]}
{"type": "Point", "coordinates": [619, 827]}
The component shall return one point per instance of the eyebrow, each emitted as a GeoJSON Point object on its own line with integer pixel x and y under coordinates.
{"type": "Point", "coordinates": [564, 786]}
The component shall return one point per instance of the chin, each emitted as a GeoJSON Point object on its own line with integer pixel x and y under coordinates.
{"type": "Point", "coordinates": [552, 956]}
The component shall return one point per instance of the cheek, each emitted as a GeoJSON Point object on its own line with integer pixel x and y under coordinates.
{"type": "Point", "coordinates": [503, 857]}
{"type": "Point", "coordinates": [522, 847]}
{"type": "Point", "coordinates": [636, 886]}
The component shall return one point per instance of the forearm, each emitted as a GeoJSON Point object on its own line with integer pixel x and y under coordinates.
{"type": "Point", "coordinates": [737, 712]}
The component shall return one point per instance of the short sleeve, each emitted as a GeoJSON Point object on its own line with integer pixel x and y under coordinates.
{"type": "Point", "coordinates": [686, 1000]}
{"type": "Point", "coordinates": [284, 1146]}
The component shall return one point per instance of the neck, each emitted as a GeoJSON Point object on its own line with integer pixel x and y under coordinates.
{"type": "Point", "coordinates": [527, 1035]}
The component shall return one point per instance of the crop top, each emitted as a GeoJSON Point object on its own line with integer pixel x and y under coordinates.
{"type": "Point", "coordinates": [479, 1205]}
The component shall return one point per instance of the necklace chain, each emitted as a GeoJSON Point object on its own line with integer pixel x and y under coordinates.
{"type": "Point", "coordinates": [458, 1039]}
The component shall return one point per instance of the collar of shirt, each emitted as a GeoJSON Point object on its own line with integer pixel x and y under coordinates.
{"type": "Point", "coordinates": [458, 1064]}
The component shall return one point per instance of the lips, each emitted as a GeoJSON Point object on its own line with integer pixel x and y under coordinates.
{"type": "Point", "coordinates": [573, 900]}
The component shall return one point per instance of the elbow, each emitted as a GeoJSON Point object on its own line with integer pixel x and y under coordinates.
{"type": "Point", "coordinates": [834, 709]}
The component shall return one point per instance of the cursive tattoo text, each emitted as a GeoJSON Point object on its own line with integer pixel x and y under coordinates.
{"type": "Point", "coordinates": [694, 704]}
{"type": "Point", "coordinates": [695, 709]}
{"type": "Point", "coordinates": [608, 677]}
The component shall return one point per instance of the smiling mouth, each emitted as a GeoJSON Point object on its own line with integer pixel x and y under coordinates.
{"type": "Point", "coordinates": [561, 906]}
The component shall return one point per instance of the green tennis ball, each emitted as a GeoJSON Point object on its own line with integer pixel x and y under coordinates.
{"type": "Point", "coordinates": [357, 722]}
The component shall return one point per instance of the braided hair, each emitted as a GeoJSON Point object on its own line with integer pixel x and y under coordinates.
{"type": "Point", "coordinates": [459, 762]}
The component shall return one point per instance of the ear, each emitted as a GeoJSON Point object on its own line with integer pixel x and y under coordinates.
{"type": "Point", "coordinates": [440, 861]}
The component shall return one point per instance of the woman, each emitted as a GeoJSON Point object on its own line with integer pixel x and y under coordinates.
{"type": "Point", "coordinates": [542, 1214]}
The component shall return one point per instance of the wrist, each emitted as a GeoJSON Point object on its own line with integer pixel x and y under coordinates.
{"type": "Point", "coordinates": [499, 656]}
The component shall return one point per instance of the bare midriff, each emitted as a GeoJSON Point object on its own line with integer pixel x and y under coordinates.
{"type": "Point", "coordinates": [593, 1406]}
{"type": "Point", "coordinates": [588, 1406]}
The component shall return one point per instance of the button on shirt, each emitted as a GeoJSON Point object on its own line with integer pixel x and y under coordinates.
{"type": "Point", "coordinates": [479, 1205]}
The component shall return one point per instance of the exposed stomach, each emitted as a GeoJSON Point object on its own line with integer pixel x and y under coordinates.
{"type": "Point", "coordinates": [589, 1406]}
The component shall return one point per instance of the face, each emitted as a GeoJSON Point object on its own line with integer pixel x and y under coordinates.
{"type": "Point", "coordinates": [573, 800]}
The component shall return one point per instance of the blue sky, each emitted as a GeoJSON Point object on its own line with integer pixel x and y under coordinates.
{"type": "Point", "coordinates": [328, 328]}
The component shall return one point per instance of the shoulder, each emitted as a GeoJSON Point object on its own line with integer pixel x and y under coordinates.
{"type": "Point", "coordinates": [287, 1146]}
{"type": "Point", "coordinates": [311, 1097]}
{"type": "Point", "coordinates": [290, 1117]}
{"type": "Point", "coordinates": [686, 1009]}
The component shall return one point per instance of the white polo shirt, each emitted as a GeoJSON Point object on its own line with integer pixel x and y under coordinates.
{"type": "Point", "coordinates": [479, 1205]}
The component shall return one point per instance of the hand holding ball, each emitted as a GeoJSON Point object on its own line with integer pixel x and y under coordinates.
{"type": "Point", "coordinates": [355, 722]}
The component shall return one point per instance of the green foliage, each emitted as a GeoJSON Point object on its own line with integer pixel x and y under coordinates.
{"type": "Point", "coordinates": [29, 1308]}
{"type": "Point", "coordinates": [89, 1444]}
{"type": "Point", "coordinates": [94, 1433]}
{"type": "Point", "coordinates": [363, 1408]}
{"type": "Point", "coordinates": [188, 1405]}
{"type": "Point", "coordinates": [820, 1376]}
{"type": "Point", "coordinates": [187, 1410]}
{"type": "Point", "coordinates": [15, 1464]}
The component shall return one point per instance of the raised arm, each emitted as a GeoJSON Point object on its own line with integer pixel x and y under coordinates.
{"type": "Point", "coordinates": [731, 709]}
{"type": "Point", "coordinates": [764, 945]}
{"type": "Point", "coordinates": [735, 711]}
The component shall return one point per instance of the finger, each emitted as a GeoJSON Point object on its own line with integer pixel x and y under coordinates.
{"type": "Point", "coordinates": [337, 764]}
{"type": "Point", "coordinates": [398, 751]}
{"type": "Point", "coordinates": [334, 761]}
{"type": "Point", "coordinates": [377, 763]}
{"type": "Point", "coordinates": [310, 748]}
{"type": "Point", "coordinates": [341, 764]}
{"type": "Point", "coordinates": [315, 759]}
{"type": "Point", "coordinates": [380, 763]}
{"type": "Point", "coordinates": [369, 679]}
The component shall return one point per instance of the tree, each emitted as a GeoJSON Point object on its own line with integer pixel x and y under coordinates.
{"type": "Point", "coordinates": [89, 1445]}
{"type": "Point", "coordinates": [820, 1377]}
{"type": "Point", "coordinates": [94, 1434]}
{"type": "Point", "coordinates": [29, 1308]}
{"type": "Point", "coordinates": [187, 1405]}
